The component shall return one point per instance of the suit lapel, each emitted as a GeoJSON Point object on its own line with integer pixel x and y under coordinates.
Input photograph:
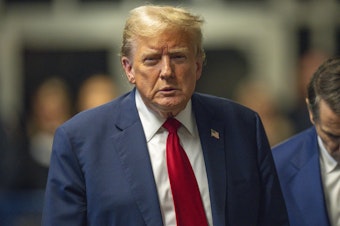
{"type": "Point", "coordinates": [307, 175]}
{"type": "Point", "coordinates": [212, 139]}
{"type": "Point", "coordinates": [132, 151]}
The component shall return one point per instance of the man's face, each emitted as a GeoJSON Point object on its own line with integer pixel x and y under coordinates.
{"type": "Point", "coordinates": [164, 69]}
{"type": "Point", "coordinates": [328, 128]}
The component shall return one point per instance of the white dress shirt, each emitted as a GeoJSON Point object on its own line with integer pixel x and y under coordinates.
{"type": "Point", "coordinates": [156, 137]}
{"type": "Point", "coordinates": [330, 173]}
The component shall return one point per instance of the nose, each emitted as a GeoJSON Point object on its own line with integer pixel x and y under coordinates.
{"type": "Point", "coordinates": [165, 71]}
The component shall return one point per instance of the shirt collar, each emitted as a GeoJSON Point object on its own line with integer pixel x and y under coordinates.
{"type": "Point", "coordinates": [152, 122]}
{"type": "Point", "coordinates": [328, 161]}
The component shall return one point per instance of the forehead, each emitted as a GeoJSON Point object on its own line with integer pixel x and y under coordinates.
{"type": "Point", "coordinates": [168, 40]}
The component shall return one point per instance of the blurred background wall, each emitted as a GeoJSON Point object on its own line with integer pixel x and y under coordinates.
{"type": "Point", "coordinates": [259, 53]}
{"type": "Point", "coordinates": [73, 39]}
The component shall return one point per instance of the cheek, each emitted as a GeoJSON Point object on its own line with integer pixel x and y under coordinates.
{"type": "Point", "coordinates": [189, 74]}
{"type": "Point", "coordinates": [146, 79]}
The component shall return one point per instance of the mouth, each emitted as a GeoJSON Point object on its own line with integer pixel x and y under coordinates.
{"type": "Point", "coordinates": [168, 90]}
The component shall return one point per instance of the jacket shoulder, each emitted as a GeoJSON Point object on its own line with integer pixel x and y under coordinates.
{"type": "Point", "coordinates": [220, 105]}
{"type": "Point", "coordinates": [98, 117]}
{"type": "Point", "coordinates": [296, 142]}
{"type": "Point", "coordinates": [300, 146]}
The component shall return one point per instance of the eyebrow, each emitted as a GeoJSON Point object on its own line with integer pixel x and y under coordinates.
{"type": "Point", "coordinates": [151, 50]}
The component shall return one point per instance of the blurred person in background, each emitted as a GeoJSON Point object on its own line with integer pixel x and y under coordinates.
{"type": "Point", "coordinates": [112, 165]}
{"type": "Point", "coordinates": [26, 154]}
{"type": "Point", "coordinates": [50, 107]}
{"type": "Point", "coordinates": [255, 94]}
{"type": "Point", "coordinates": [96, 90]}
{"type": "Point", "coordinates": [306, 66]}
{"type": "Point", "coordinates": [308, 163]}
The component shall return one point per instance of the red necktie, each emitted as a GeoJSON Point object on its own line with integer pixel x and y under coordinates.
{"type": "Point", "coordinates": [187, 199]}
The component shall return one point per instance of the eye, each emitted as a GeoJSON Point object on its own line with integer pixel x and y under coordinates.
{"type": "Point", "coordinates": [152, 60]}
{"type": "Point", "coordinates": [178, 57]}
{"type": "Point", "coordinates": [332, 136]}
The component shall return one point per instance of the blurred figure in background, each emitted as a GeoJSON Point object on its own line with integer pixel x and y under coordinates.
{"type": "Point", "coordinates": [308, 164]}
{"type": "Point", "coordinates": [51, 106]}
{"type": "Point", "coordinates": [256, 95]}
{"type": "Point", "coordinates": [25, 157]}
{"type": "Point", "coordinates": [307, 65]}
{"type": "Point", "coordinates": [96, 90]}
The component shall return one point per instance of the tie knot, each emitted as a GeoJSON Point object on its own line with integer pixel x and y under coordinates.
{"type": "Point", "coordinates": [171, 124]}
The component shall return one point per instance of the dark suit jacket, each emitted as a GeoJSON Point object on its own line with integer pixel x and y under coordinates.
{"type": "Point", "coordinates": [298, 166]}
{"type": "Point", "coordinates": [100, 172]}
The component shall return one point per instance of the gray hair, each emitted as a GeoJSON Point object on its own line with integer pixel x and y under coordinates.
{"type": "Point", "coordinates": [150, 20]}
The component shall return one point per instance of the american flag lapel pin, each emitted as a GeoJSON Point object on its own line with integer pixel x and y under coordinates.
{"type": "Point", "coordinates": [214, 134]}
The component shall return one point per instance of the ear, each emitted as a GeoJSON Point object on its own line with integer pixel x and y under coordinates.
{"type": "Point", "coordinates": [199, 68]}
{"type": "Point", "coordinates": [127, 65]}
{"type": "Point", "coordinates": [310, 112]}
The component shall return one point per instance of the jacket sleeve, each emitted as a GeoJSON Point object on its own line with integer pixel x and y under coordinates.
{"type": "Point", "coordinates": [272, 207]}
{"type": "Point", "coordinates": [65, 198]}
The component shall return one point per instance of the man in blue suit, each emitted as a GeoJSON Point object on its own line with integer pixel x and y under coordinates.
{"type": "Point", "coordinates": [308, 163]}
{"type": "Point", "coordinates": [109, 164]}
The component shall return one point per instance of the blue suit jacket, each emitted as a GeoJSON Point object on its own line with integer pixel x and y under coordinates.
{"type": "Point", "coordinates": [100, 172]}
{"type": "Point", "coordinates": [298, 166]}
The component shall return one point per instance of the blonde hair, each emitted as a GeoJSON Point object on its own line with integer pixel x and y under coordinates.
{"type": "Point", "coordinates": [150, 20]}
